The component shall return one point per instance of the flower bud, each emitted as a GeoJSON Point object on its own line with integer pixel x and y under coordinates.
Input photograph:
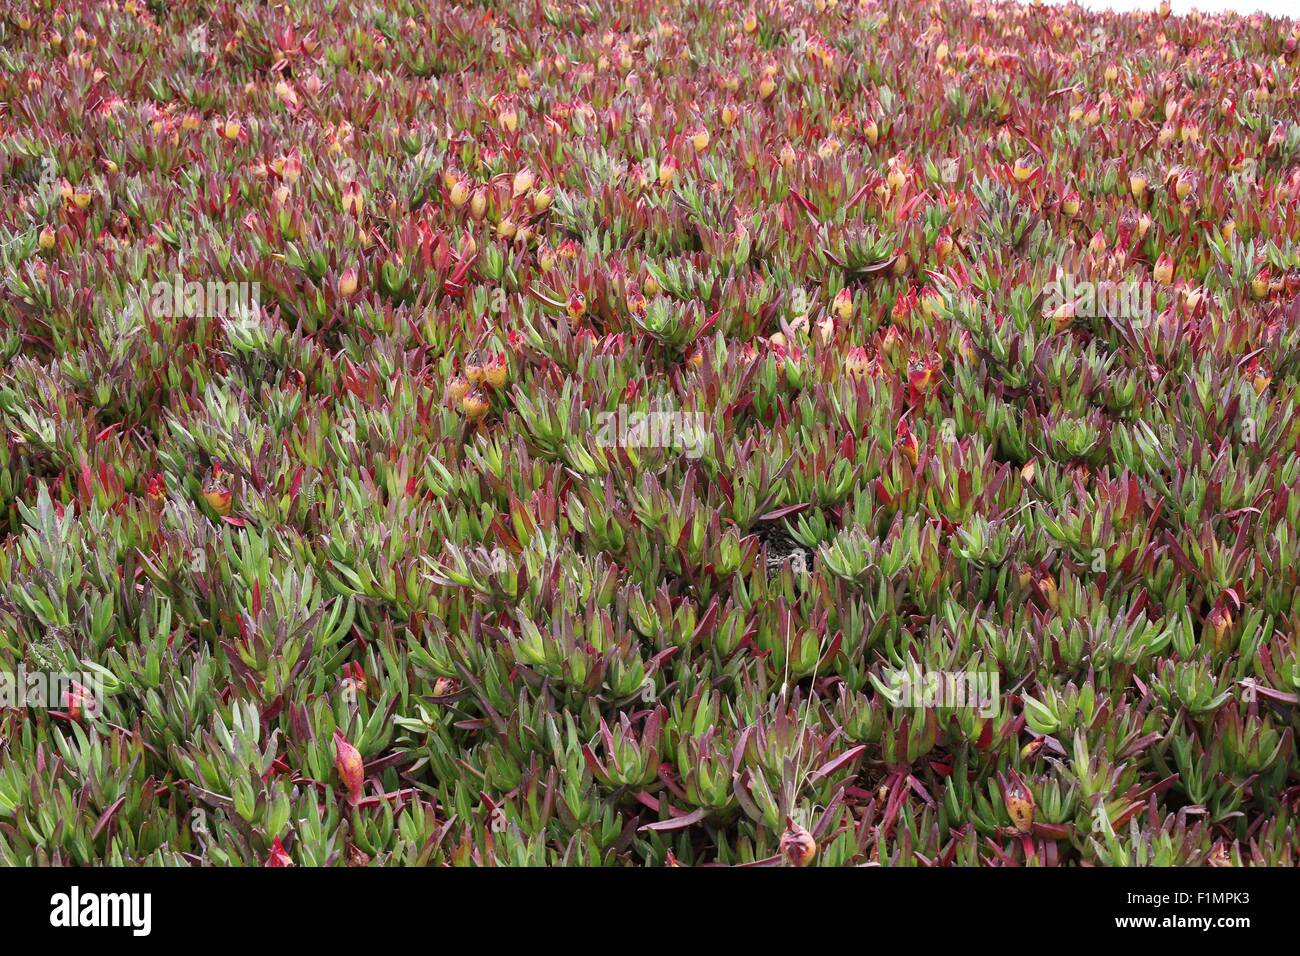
{"type": "Point", "coordinates": [1259, 284]}
{"type": "Point", "coordinates": [576, 307]}
{"type": "Point", "coordinates": [278, 855]}
{"type": "Point", "coordinates": [891, 342]}
{"type": "Point", "coordinates": [216, 492]}
{"type": "Point", "coordinates": [1020, 806]}
{"type": "Point", "coordinates": [1164, 270]}
{"type": "Point", "coordinates": [1062, 315]}
{"type": "Point", "coordinates": [906, 441]}
{"type": "Point", "coordinates": [474, 406]}
{"type": "Point", "coordinates": [857, 363]}
{"type": "Point", "coordinates": [347, 283]}
{"type": "Point", "coordinates": [1218, 624]}
{"type": "Point", "coordinates": [842, 307]}
{"type": "Point", "coordinates": [523, 182]}
{"type": "Point", "coordinates": [445, 687]}
{"type": "Point", "coordinates": [920, 375]}
{"type": "Point", "coordinates": [966, 346]}
{"type": "Point", "coordinates": [286, 94]}
{"type": "Point", "coordinates": [797, 846]}
{"type": "Point", "coordinates": [352, 198]}
{"type": "Point", "coordinates": [457, 389]}
{"type": "Point", "coordinates": [496, 371]}
{"type": "Point", "coordinates": [1261, 378]}
{"type": "Point", "coordinates": [347, 760]}
{"type": "Point", "coordinates": [825, 330]}
{"type": "Point", "coordinates": [943, 245]}
{"type": "Point", "coordinates": [475, 364]}
{"type": "Point", "coordinates": [80, 702]}
{"type": "Point", "coordinates": [931, 301]}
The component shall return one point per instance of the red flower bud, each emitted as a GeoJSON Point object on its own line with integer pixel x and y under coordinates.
{"type": "Point", "coordinates": [857, 363]}
{"type": "Point", "coordinates": [577, 307]}
{"type": "Point", "coordinates": [797, 845]}
{"type": "Point", "coordinates": [907, 441]}
{"type": "Point", "coordinates": [80, 702]}
{"type": "Point", "coordinates": [347, 760]}
{"type": "Point", "coordinates": [278, 855]}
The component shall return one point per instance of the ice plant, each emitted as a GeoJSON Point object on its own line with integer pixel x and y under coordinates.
{"type": "Point", "coordinates": [475, 405]}
{"type": "Point", "coordinates": [843, 305]}
{"type": "Point", "coordinates": [470, 398]}
{"type": "Point", "coordinates": [347, 760]}
{"type": "Point", "coordinates": [278, 857]}
{"type": "Point", "coordinates": [797, 845]}
{"type": "Point", "coordinates": [347, 282]}
{"type": "Point", "coordinates": [1020, 805]}
{"type": "Point", "coordinates": [858, 362]}
{"type": "Point", "coordinates": [216, 490]}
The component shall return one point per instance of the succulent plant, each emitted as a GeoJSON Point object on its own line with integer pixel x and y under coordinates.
{"type": "Point", "coordinates": [807, 434]}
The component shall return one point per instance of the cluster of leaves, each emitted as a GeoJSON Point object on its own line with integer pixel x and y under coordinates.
{"type": "Point", "coordinates": [360, 577]}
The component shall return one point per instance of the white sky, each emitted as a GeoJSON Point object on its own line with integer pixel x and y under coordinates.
{"type": "Point", "coordinates": [1277, 8]}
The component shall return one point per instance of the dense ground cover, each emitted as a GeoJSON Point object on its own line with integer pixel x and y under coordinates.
{"type": "Point", "coordinates": [500, 433]}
